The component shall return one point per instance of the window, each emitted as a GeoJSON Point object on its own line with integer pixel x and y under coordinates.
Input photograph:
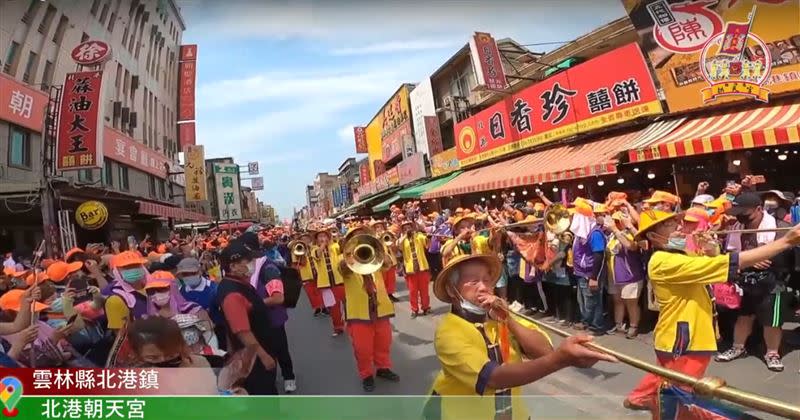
{"type": "Point", "coordinates": [47, 19]}
{"type": "Point", "coordinates": [162, 190]}
{"type": "Point", "coordinates": [47, 75]}
{"type": "Point", "coordinates": [127, 83]}
{"type": "Point", "coordinates": [19, 150]}
{"type": "Point", "coordinates": [108, 173]}
{"type": "Point", "coordinates": [118, 76]}
{"type": "Point", "coordinates": [122, 174]}
{"type": "Point", "coordinates": [460, 83]}
{"type": "Point", "coordinates": [95, 6]}
{"type": "Point", "coordinates": [58, 35]}
{"type": "Point", "coordinates": [30, 67]}
{"type": "Point", "coordinates": [85, 175]}
{"type": "Point", "coordinates": [84, 37]}
{"type": "Point", "coordinates": [125, 36]}
{"type": "Point", "coordinates": [33, 7]}
{"type": "Point", "coordinates": [104, 13]}
{"type": "Point", "coordinates": [111, 22]}
{"type": "Point", "coordinates": [152, 183]}
{"type": "Point", "coordinates": [11, 58]}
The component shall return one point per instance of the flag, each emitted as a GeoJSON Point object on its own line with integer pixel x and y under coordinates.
{"type": "Point", "coordinates": [675, 403]}
{"type": "Point", "coordinates": [735, 39]}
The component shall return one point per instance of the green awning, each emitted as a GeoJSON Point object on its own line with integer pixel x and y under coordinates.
{"type": "Point", "coordinates": [384, 205]}
{"type": "Point", "coordinates": [417, 190]}
{"type": "Point", "coordinates": [366, 200]}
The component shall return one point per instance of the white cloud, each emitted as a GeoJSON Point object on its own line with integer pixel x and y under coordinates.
{"type": "Point", "coordinates": [397, 46]}
{"type": "Point", "coordinates": [346, 134]}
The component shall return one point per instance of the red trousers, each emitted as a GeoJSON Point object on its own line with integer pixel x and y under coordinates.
{"type": "Point", "coordinates": [337, 316]}
{"type": "Point", "coordinates": [313, 294]}
{"type": "Point", "coordinates": [371, 344]}
{"type": "Point", "coordinates": [646, 392]}
{"type": "Point", "coordinates": [418, 290]}
{"type": "Point", "coordinates": [390, 280]}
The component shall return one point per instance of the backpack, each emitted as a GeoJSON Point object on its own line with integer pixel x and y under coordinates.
{"type": "Point", "coordinates": [292, 285]}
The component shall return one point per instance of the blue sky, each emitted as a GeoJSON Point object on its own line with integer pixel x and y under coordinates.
{"type": "Point", "coordinates": [283, 82]}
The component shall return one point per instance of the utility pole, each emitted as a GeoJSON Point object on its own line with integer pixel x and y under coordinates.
{"type": "Point", "coordinates": [52, 230]}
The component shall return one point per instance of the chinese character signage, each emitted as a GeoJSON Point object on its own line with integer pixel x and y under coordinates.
{"type": "Point", "coordinates": [382, 182]}
{"type": "Point", "coordinates": [411, 168]}
{"type": "Point", "coordinates": [226, 177]}
{"type": "Point", "coordinates": [607, 90]}
{"type": "Point", "coordinates": [252, 168]}
{"type": "Point", "coordinates": [363, 173]}
{"type": "Point", "coordinates": [186, 134]}
{"type": "Point", "coordinates": [378, 168]}
{"type": "Point", "coordinates": [712, 52]}
{"type": "Point", "coordinates": [360, 134]}
{"type": "Point", "coordinates": [22, 105]}
{"type": "Point", "coordinates": [257, 183]}
{"type": "Point", "coordinates": [91, 52]}
{"type": "Point", "coordinates": [433, 135]}
{"type": "Point", "coordinates": [79, 144]}
{"type": "Point", "coordinates": [395, 124]}
{"type": "Point", "coordinates": [423, 111]}
{"type": "Point", "coordinates": [445, 162]}
{"type": "Point", "coordinates": [123, 149]}
{"type": "Point", "coordinates": [195, 169]}
{"type": "Point", "coordinates": [486, 61]}
{"type": "Point", "coordinates": [187, 69]}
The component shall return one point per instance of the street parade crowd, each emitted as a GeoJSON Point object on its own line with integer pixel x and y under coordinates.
{"type": "Point", "coordinates": [717, 277]}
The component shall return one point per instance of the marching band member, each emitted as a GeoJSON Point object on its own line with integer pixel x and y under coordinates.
{"type": "Point", "coordinates": [308, 274]}
{"type": "Point", "coordinates": [413, 244]}
{"type": "Point", "coordinates": [481, 347]}
{"type": "Point", "coordinates": [465, 242]}
{"type": "Point", "coordinates": [684, 336]}
{"type": "Point", "coordinates": [326, 257]}
{"type": "Point", "coordinates": [390, 273]}
{"type": "Point", "coordinates": [368, 310]}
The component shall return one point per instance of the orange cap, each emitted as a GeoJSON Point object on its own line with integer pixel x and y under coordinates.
{"type": "Point", "coordinates": [42, 276]}
{"type": "Point", "coordinates": [157, 283]}
{"type": "Point", "coordinates": [127, 258]}
{"type": "Point", "coordinates": [72, 252]}
{"type": "Point", "coordinates": [663, 196]}
{"type": "Point", "coordinates": [163, 275]}
{"type": "Point", "coordinates": [59, 270]}
{"type": "Point", "coordinates": [12, 301]}
{"type": "Point", "coordinates": [694, 214]}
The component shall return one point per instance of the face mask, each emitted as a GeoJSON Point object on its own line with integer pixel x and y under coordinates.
{"type": "Point", "coordinates": [192, 281]}
{"type": "Point", "coordinates": [171, 363]}
{"type": "Point", "coordinates": [57, 305]}
{"type": "Point", "coordinates": [770, 206]}
{"type": "Point", "coordinates": [251, 268]}
{"type": "Point", "coordinates": [160, 299]}
{"type": "Point", "coordinates": [132, 275]}
{"type": "Point", "coordinates": [676, 243]}
{"type": "Point", "coordinates": [743, 218]}
{"type": "Point", "coordinates": [470, 307]}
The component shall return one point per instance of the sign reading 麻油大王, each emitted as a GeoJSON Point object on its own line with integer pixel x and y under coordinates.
{"type": "Point", "coordinates": [79, 144]}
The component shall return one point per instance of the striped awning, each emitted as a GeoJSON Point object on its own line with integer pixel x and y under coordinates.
{"type": "Point", "coordinates": [760, 127]}
{"type": "Point", "coordinates": [558, 164]}
{"type": "Point", "coordinates": [167, 212]}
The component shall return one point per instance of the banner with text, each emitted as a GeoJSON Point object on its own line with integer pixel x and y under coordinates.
{"type": "Point", "coordinates": [610, 89]}
{"type": "Point", "coordinates": [486, 62]}
{"type": "Point", "coordinates": [226, 177]}
{"type": "Point", "coordinates": [79, 144]}
{"type": "Point", "coordinates": [22, 105]}
{"type": "Point", "coordinates": [123, 149]}
{"type": "Point", "coordinates": [445, 162]}
{"type": "Point", "coordinates": [257, 183]}
{"type": "Point", "coordinates": [706, 53]}
{"type": "Point", "coordinates": [363, 173]}
{"type": "Point", "coordinates": [411, 168]}
{"type": "Point", "coordinates": [187, 72]}
{"type": "Point", "coordinates": [423, 109]}
{"type": "Point", "coordinates": [186, 135]}
{"type": "Point", "coordinates": [396, 125]}
{"type": "Point", "coordinates": [360, 134]}
{"type": "Point", "coordinates": [195, 168]}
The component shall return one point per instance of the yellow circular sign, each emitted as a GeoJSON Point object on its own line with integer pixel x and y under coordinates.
{"type": "Point", "coordinates": [466, 139]}
{"type": "Point", "coordinates": [91, 215]}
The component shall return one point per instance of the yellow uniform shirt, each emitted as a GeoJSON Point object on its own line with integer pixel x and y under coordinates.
{"type": "Point", "coordinates": [117, 311]}
{"type": "Point", "coordinates": [327, 266]}
{"type": "Point", "coordinates": [466, 366]}
{"type": "Point", "coordinates": [685, 322]}
{"type": "Point", "coordinates": [357, 300]}
{"type": "Point", "coordinates": [480, 245]}
{"type": "Point", "coordinates": [420, 243]}
{"type": "Point", "coordinates": [303, 265]}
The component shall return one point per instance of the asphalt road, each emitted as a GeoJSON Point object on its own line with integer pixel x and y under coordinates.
{"type": "Point", "coordinates": [324, 365]}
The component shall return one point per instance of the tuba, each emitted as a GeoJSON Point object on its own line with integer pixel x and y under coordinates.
{"type": "Point", "coordinates": [363, 254]}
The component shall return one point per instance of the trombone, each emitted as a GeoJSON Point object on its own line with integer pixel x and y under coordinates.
{"type": "Point", "coordinates": [364, 254]}
{"type": "Point", "coordinates": [388, 238]}
{"type": "Point", "coordinates": [298, 248]}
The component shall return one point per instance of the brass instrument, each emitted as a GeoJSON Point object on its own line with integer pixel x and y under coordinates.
{"type": "Point", "coordinates": [363, 254]}
{"type": "Point", "coordinates": [706, 387]}
{"type": "Point", "coordinates": [298, 248]}
{"type": "Point", "coordinates": [726, 232]}
{"type": "Point", "coordinates": [388, 238]}
{"type": "Point", "coordinates": [511, 225]}
{"type": "Point", "coordinates": [557, 219]}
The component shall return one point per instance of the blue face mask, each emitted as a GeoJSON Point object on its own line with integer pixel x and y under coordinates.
{"type": "Point", "coordinates": [677, 243]}
{"type": "Point", "coordinates": [57, 305]}
{"type": "Point", "coordinates": [133, 275]}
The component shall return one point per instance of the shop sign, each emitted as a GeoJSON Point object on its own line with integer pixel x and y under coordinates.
{"type": "Point", "coordinates": [393, 144]}
{"type": "Point", "coordinates": [411, 168]}
{"type": "Point", "coordinates": [445, 162]}
{"type": "Point", "coordinates": [123, 149]}
{"type": "Point", "coordinates": [252, 168]}
{"type": "Point", "coordinates": [257, 183]}
{"type": "Point", "coordinates": [423, 109]}
{"type": "Point", "coordinates": [360, 134]}
{"type": "Point", "coordinates": [713, 52]}
{"type": "Point", "coordinates": [22, 105]}
{"type": "Point", "coordinates": [363, 173]}
{"type": "Point", "coordinates": [79, 143]}
{"type": "Point", "coordinates": [91, 215]}
{"type": "Point", "coordinates": [188, 52]}
{"type": "Point", "coordinates": [226, 177]}
{"type": "Point", "coordinates": [433, 135]}
{"type": "Point", "coordinates": [486, 61]}
{"type": "Point", "coordinates": [91, 52]}
{"type": "Point", "coordinates": [195, 168]}
{"type": "Point", "coordinates": [186, 134]}
{"type": "Point", "coordinates": [395, 116]}
{"type": "Point", "coordinates": [610, 89]}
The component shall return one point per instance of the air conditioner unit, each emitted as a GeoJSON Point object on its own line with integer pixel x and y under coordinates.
{"type": "Point", "coordinates": [133, 120]}
{"type": "Point", "coordinates": [125, 115]}
{"type": "Point", "coordinates": [117, 108]}
{"type": "Point", "coordinates": [134, 82]}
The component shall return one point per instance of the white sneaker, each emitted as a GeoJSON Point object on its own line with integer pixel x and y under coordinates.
{"type": "Point", "coordinates": [290, 385]}
{"type": "Point", "coordinates": [516, 306]}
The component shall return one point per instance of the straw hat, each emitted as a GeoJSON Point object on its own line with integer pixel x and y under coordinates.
{"type": "Point", "coordinates": [460, 219]}
{"type": "Point", "coordinates": [440, 284]}
{"type": "Point", "coordinates": [650, 219]}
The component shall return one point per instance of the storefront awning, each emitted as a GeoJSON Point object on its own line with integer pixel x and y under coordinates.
{"type": "Point", "coordinates": [417, 191]}
{"type": "Point", "coordinates": [384, 205]}
{"type": "Point", "coordinates": [767, 126]}
{"type": "Point", "coordinates": [367, 200]}
{"type": "Point", "coordinates": [558, 164]}
{"type": "Point", "coordinates": [176, 213]}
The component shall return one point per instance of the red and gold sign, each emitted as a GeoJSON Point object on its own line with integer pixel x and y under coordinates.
{"type": "Point", "coordinates": [188, 52]}
{"type": "Point", "coordinates": [187, 71]}
{"type": "Point", "coordinates": [360, 134]}
{"type": "Point", "coordinates": [186, 134]}
{"type": "Point", "coordinates": [123, 149]}
{"type": "Point", "coordinates": [79, 143]}
{"type": "Point", "coordinates": [91, 52]}
{"type": "Point", "coordinates": [486, 61]}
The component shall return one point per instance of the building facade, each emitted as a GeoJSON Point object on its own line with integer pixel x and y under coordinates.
{"type": "Point", "coordinates": [139, 95]}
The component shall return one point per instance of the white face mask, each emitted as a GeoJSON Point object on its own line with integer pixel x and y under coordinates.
{"type": "Point", "coordinates": [469, 306]}
{"type": "Point", "coordinates": [251, 268]}
{"type": "Point", "coordinates": [160, 299]}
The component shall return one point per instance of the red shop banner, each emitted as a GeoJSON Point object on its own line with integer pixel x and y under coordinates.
{"type": "Point", "coordinates": [433, 134]}
{"type": "Point", "coordinates": [486, 61]}
{"type": "Point", "coordinates": [188, 52]}
{"type": "Point", "coordinates": [393, 143]}
{"type": "Point", "coordinates": [127, 151]}
{"type": "Point", "coordinates": [187, 71]}
{"type": "Point", "coordinates": [363, 173]}
{"type": "Point", "coordinates": [607, 90]}
{"type": "Point", "coordinates": [360, 134]}
{"type": "Point", "coordinates": [79, 144]}
{"type": "Point", "coordinates": [186, 134]}
{"type": "Point", "coordinates": [21, 104]}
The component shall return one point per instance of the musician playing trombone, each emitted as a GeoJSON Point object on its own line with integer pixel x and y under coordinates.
{"type": "Point", "coordinates": [413, 244]}
{"type": "Point", "coordinates": [684, 336]}
{"type": "Point", "coordinates": [307, 269]}
{"type": "Point", "coordinates": [390, 272]}
{"type": "Point", "coordinates": [465, 242]}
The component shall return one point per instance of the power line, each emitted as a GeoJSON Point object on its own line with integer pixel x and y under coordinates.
{"type": "Point", "coordinates": [545, 43]}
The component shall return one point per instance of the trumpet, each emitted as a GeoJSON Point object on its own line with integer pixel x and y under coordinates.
{"type": "Point", "coordinates": [298, 248]}
{"type": "Point", "coordinates": [388, 238]}
{"type": "Point", "coordinates": [364, 254]}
